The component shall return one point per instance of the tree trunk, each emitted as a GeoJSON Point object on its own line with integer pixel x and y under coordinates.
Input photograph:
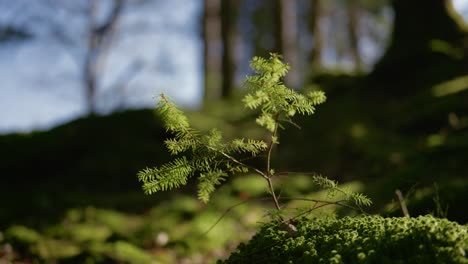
{"type": "Point", "coordinates": [212, 46]}
{"type": "Point", "coordinates": [287, 41]}
{"type": "Point", "coordinates": [315, 56]}
{"type": "Point", "coordinates": [229, 35]}
{"type": "Point", "coordinates": [353, 33]}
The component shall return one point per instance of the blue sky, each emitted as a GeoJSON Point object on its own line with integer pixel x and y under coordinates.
{"type": "Point", "coordinates": [40, 85]}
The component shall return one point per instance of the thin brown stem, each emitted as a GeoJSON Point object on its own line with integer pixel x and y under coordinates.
{"type": "Point", "coordinates": [229, 209]}
{"type": "Point", "coordinates": [271, 145]}
{"type": "Point", "coordinates": [323, 203]}
{"type": "Point", "coordinates": [268, 172]}
{"type": "Point", "coordinates": [401, 199]}
{"type": "Point", "coordinates": [272, 190]}
{"type": "Point", "coordinates": [241, 163]}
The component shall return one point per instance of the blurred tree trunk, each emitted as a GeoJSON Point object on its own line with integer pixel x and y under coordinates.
{"type": "Point", "coordinates": [287, 39]}
{"type": "Point", "coordinates": [315, 57]}
{"type": "Point", "coordinates": [352, 9]}
{"type": "Point", "coordinates": [429, 44]}
{"type": "Point", "coordinates": [99, 40]}
{"type": "Point", "coordinates": [264, 28]}
{"type": "Point", "coordinates": [230, 39]}
{"type": "Point", "coordinates": [212, 47]}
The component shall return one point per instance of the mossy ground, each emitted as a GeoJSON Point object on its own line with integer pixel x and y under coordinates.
{"type": "Point", "coordinates": [369, 239]}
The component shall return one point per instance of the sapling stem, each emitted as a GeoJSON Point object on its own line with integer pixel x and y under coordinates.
{"type": "Point", "coordinates": [268, 168]}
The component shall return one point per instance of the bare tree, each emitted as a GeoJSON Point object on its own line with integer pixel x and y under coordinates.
{"type": "Point", "coordinates": [90, 46]}
{"type": "Point", "coordinates": [99, 40]}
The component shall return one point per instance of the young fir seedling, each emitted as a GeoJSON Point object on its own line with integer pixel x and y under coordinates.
{"type": "Point", "coordinates": [212, 159]}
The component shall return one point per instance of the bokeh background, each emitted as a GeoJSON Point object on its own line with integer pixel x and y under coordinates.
{"type": "Point", "coordinates": [79, 81]}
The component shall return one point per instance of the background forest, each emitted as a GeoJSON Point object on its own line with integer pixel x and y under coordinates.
{"type": "Point", "coordinates": [396, 118]}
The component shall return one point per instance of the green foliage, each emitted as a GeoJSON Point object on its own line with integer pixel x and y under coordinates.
{"type": "Point", "coordinates": [275, 100]}
{"type": "Point", "coordinates": [212, 158]}
{"type": "Point", "coordinates": [369, 239]}
{"type": "Point", "coordinates": [332, 187]}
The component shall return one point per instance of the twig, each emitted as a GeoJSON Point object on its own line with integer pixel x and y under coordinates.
{"type": "Point", "coordinates": [402, 203]}
{"type": "Point", "coordinates": [229, 209]}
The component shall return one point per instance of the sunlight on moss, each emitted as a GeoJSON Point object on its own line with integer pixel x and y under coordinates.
{"type": "Point", "coordinates": [435, 140]}
{"type": "Point", "coordinates": [367, 239]}
{"type": "Point", "coordinates": [358, 131]}
{"type": "Point", "coordinates": [88, 232]}
{"type": "Point", "coordinates": [22, 234]}
{"type": "Point", "coordinates": [450, 87]}
{"type": "Point", "coordinates": [56, 249]}
{"type": "Point", "coordinates": [446, 48]}
{"type": "Point", "coordinates": [124, 251]}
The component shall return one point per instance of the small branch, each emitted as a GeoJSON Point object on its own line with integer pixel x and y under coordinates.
{"type": "Point", "coordinates": [239, 162]}
{"type": "Point", "coordinates": [272, 190]}
{"type": "Point", "coordinates": [289, 120]}
{"type": "Point", "coordinates": [266, 176]}
{"type": "Point", "coordinates": [316, 206]}
{"type": "Point", "coordinates": [339, 202]}
{"type": "Point", "coordinates": [229, 209]}
{"type": "Point", "coordinates": [401, 199]}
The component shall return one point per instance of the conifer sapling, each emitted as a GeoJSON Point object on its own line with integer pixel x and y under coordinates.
{"type": "Point", "coordinates": [211, 158]}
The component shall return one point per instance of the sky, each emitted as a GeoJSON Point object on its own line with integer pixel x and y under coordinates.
{"type": "Point", "coordinates": [40, 81]}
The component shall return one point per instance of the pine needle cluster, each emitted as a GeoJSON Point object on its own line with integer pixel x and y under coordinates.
{"type": "Point", "coordinates": [276, 102]}
{"type": "Point", "coordinates": [212, 158]}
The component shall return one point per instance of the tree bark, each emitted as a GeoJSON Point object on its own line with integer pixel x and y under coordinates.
{"type": "Point", "coordinates": [229, 35]}
{"type": "Point", "coordinates": [353, 33]}
{"type": "Point", "coordinates": [212, 49]}
{"type": "Point", "coordinates": [288, 37]}
{"type": "Point", "coordinates": [315, 56]}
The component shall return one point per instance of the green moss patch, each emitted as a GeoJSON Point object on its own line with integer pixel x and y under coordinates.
{"type": "Point", "coordinates": [369, 239]}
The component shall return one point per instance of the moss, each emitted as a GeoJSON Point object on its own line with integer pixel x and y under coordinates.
{"type": "Point", "coordinates": [369, 239]}
{"type": "Point", "coordinates": [128, 253]}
